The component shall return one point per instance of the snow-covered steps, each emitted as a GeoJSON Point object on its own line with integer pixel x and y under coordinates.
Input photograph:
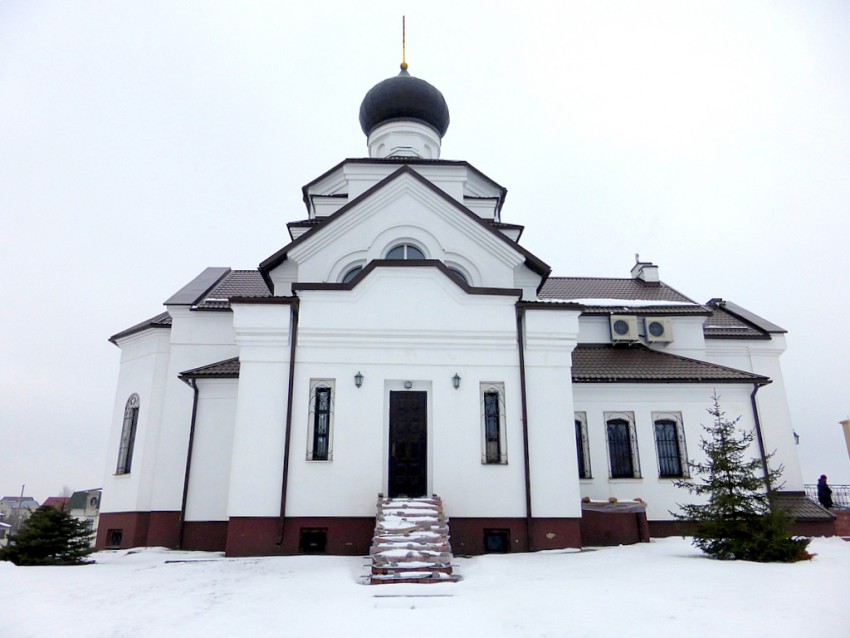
{"type": "Point", "coordinates": [411, 542]}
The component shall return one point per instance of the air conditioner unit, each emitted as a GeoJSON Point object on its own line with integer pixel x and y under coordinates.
{"type": "Point", "coordinates": [624, 328]}
{"type": "Point", "coordinates": [659, 329]}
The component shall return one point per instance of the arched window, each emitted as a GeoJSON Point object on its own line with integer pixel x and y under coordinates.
{"type": "Point", "coordinates": [405, 251]}
{"type": "Point", "coordinates": [128, 435]}
{"type": "Point", "coordinates": [670, 445]}
{"type": "Point", "coordinates": [622, 445]}
{"type": "Point", "coordinates": [351, 274]}
{"type": "Point", "coordinates": [458, 274]}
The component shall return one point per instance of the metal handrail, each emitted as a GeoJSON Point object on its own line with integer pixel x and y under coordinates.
{"type": "Point", "coordinates": [840, 494]}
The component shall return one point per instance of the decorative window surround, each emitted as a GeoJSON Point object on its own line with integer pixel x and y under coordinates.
{"type": "Point", "coordinates": [128, 435]}
{"type": "Point", "coordinates": [320, 420]}
{"type": "Point", "coordinates": [623, 458]}
{"type": "Point", "coordinates": [670, 445]}
{"type": "Point", "coordinates": [493, 436]}
{"type": "Point", "coordinates": [582, 446]}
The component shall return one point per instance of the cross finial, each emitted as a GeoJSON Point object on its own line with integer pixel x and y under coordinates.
{"type": "Point", "coordinates": [403, 46]}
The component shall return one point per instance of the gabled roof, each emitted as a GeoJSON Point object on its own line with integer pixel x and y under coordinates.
{"type": "Point", "coordinates": [606, 363]}
{"type": "Point", "coordinates": [237, 283]}
{"type": "Point", "coordinates": [189, 294]}
{"type": "Point", "coordinates": [162, 320]}
{"type": "Point", "coordinates": [227, 369]}
{"type": "Point", "coordinates": [503, 192]}
{"type": "Point", "coordinates": [532, 261]}
{"type": "Point", "coordinates": [585, 289]}
{"type": "Point", "coordinates": [728, 320]}
{"type": "Point", "coordinates": [57, 502]}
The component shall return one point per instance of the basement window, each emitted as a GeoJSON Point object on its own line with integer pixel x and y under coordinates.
{"type": "Point", "coordinates": [114, 538]}
{"type": "Point", "coordinates": [497, 541]}
{"type": "Point", "coordinates": [314, 540]}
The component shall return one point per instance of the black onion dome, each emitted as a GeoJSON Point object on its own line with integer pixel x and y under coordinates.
{"type": "Point", "coordinates": [404, 97]}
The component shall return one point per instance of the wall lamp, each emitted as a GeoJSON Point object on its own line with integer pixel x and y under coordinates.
{"type": "Point", "coordinates": [456, 381]}
{"type": "Point", "coordinates": [358, 379]}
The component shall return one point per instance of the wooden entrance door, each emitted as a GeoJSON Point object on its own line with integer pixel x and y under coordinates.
{"type": "Point", "coordinates": [408, 454]}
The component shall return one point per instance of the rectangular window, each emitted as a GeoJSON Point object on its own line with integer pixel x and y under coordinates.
{"type": "Point", "coordinates": [670, 445]}
{"type": "Point", "coordinates": [114, 538]}
{"type": "Point", "coordinates": [622, 445]}
{"type": "Point", "coordinates": [493, 423]}
{"type": "Point", "coordinates": [582, 449]}
{"type": "Point", "coordinates": [497, 541]}
{"type": "Point", "coordinates": [320, 424]}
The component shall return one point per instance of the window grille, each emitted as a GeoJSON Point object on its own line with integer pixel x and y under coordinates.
{"type": "Point", "coordinates": [670, 445]}
{"type": "Point", "coordinates": [491, 425]}
{"type": "Point", "coordinates": [321, 424]}
{"type": "Point", "coordinates": [128, 435]}
{"type": "Point", "coordinates": [622, 448]}
{"type": "Point", "coordinates": [582, 449]}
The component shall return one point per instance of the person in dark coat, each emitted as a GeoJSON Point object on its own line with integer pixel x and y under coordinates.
{"type": "Point", "coordinates": [824, 492]}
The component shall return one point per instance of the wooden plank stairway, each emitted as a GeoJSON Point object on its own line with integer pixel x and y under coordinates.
{"type": "Point", "coordinates": [411, 542]}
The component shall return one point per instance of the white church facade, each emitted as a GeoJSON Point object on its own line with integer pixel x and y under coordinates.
{"type": "Point", "coordinates": [405, 343]}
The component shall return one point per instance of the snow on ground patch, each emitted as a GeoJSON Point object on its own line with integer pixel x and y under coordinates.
{"type": "Point", "coordinates": [662, 588]}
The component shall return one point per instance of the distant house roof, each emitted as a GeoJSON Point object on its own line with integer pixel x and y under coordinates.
{"type": "Point", "coordinates": [13, 501]}
{"type": "Point", "coordinates": [57, 502]}
{"type": "Point", "coordinates": [80, 499]}
{"type": "Point", "coordinates": [585, 289]}
{"type": "Point", "coordinates": [606, 363]}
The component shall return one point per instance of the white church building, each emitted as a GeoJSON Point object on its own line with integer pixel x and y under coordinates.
{"type": "Point", "coordinates": [405, 343]}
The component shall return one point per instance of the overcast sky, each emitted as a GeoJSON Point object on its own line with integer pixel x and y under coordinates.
{"type": "Point", "coordinates": [141, 142]}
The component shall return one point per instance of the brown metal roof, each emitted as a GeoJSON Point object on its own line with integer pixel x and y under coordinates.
{"type": "Point", "coordinates": [800, 507]}
{"type": "Point", "coordinates": [570, 288]}
{"type": "Point", "coordinates": [724, 325]}
{"type": "Point", "coordinates": [162, 320]}
{"type": "Point", "coordinates": [237, 283]}
{"type": "Point", "coordinates": [227, 369]}
{"type": "Point", "coordinates": [730, 321]}
{"type": "Point", "coordinates": [605, 363]}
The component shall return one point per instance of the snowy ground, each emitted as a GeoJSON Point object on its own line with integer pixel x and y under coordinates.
{"type": "Point", "coordinates": [665, 588]}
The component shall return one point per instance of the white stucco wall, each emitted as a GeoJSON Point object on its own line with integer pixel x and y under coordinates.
{"type": "Point", "coordinates": [212, 449]}
{"type": "Point", "coordinates": [763, 357]}
{"type": "Point", "coordinates": [690, 400]}
{"type": "Point", "coordinates": [142, 371]}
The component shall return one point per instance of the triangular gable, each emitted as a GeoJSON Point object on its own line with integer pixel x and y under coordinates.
{"type": "Point", "coordinates": [532, 261]}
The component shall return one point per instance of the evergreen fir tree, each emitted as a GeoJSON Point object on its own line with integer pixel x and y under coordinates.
{"type": "Point", "coordinates": [737, 522]}
{"type": "Point", "coordinates": [49, 537]}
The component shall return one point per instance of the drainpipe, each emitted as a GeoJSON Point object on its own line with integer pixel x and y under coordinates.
{"type": "Point", "coordinates": [293, 342]}
{"type": "Point", "coordinates": [520, 315]}
{"type": "Point", "coordinates": [194, 385]}
{"type": "Point", "coordinates": [759, 437]}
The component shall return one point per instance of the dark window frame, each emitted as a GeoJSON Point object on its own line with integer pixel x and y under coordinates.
{"type": "Point", "coordinates": [670, 445]}
{"type": "Point", "coordinates": [128, 435]}
{"type": "Point", "coordinates": [623, 457]}
{"type": "Point", "coordinates": [582, 446]}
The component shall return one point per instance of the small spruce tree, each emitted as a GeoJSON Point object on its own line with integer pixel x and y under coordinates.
{"type": "Point", "coordinates": [738, 521]}
{"type": "Point", "coordinates": [49, 537]}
